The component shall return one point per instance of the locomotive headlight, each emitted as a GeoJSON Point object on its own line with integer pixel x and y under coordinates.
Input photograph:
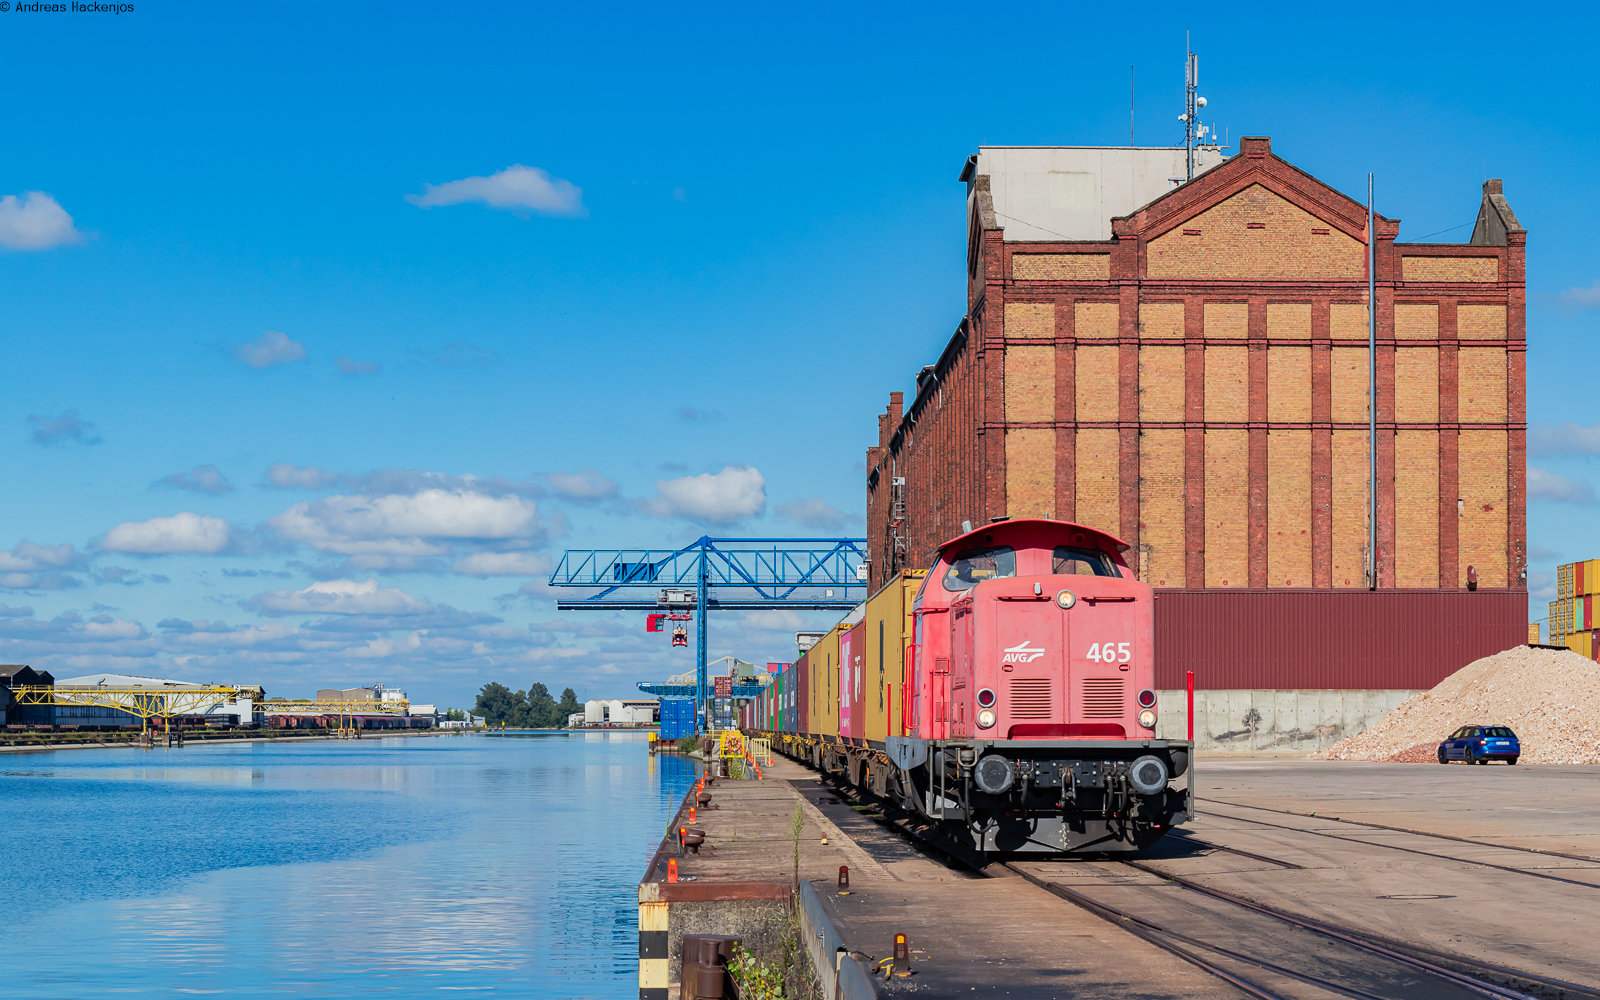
{"type": "Point", "coordinates": [986, 718]}
{"type": "Point", "coordinates": [986, 698]}
{"type": "Point", "coordinates": [1147, 718]}
{"type": "Point", "coordinates": [1066, 599]}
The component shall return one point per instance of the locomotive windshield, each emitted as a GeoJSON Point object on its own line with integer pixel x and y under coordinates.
{"type": "Point", "coordinates": [972, 567]}
{"type": "Point", "coordinates": [1081, 562]}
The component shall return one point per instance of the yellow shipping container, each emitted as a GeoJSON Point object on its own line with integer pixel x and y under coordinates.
{"type": "Point", "coordinates": [823, 660]}
{"type": "Point", "coordinates": [1533, 634]}
{"type": "Point", "coordinates": [887, 636]}
{"type": "Point", "coordinates": [1581, 643]}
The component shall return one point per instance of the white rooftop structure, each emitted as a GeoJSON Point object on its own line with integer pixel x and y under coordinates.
{"type": "Point", "coordinates": [1071, 193]}
{"type": "Point", "coordinates": [122, 681]}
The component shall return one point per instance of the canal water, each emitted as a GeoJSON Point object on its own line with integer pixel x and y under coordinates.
{"type": "Point", "coordinates": [399, 867]}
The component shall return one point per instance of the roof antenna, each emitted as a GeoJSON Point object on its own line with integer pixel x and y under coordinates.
{"type": "Point", "coordinates": [1192, 104]}
{"type": "Point", "coordinates": [1130, 107]}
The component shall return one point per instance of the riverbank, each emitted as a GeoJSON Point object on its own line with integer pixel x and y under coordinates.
{"type": "Point", "coordinates": [29, 742]}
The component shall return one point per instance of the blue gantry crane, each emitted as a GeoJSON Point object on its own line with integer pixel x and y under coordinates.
{"type": "Point", "coordinates": [718, 574]}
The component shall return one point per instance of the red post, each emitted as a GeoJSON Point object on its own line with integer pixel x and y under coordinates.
{"type": "Point", "coordinates": [1191, 706]}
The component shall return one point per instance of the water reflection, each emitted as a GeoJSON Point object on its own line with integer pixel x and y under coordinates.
{"type": "Point", "coordinates": [392, 867]}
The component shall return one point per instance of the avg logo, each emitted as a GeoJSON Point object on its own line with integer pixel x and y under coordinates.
{"type": "Point", "coordinates": [1021, 653]}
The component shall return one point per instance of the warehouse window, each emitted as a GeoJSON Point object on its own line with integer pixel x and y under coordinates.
{"type": "Point", "coordinates": [974, 566]}
{"type": "Point", "coordinates": [1081, 562]}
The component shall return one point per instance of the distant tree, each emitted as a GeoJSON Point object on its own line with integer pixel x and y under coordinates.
{"type": "Point", "coordinates": [569, 704]}
{"type": "Point", "coordinates": [501, 706]}
{"type": "Point", "coordinates": [456, 715]}
{"type": "Point", "coordinates": [542, 710]}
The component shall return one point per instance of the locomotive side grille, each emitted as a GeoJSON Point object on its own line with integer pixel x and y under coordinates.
{"type": "Point", "coordinates": [1102, 698]}
{"type": "Point", "coordinates": [1030, 698]}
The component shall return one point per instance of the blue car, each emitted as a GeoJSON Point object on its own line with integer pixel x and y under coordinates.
{"type": "Point", "coordinates": [1480, 745]}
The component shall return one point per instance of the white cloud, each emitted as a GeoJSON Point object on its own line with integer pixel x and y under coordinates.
{"type": "Point", "coordinates": [271, 348]}
{"type": "Point", "coordinates": [1541, 585]}
{"type": "Point", "coordinates": [411, 525]}
{"type": "Point", "coordinates": [28, 556]}
{"type": "Point", "coordinates": [350, 366]}
{"type": "Point", "coordinates": [813, 512]}
{"type": "Point", "coordinates": [1579, 298]}
{"type": "Point", "coordinates": [288, 476]}
{"type": "Point", "coordinates": [732, 495]}
{"type": "Point", "coordinates": [35, 222]}
{"type": "Point", "coordinates": [585, 484]}
{"type": "Point", "coordinates": [517, 188]}
{"type": "Point", "coordinates": [503, 564]}
{"type": "Point", "coordinates": [30, 566]}
{"type": "Point", "coordinates": [1563, 439]}
{"type": "Point", "coordinates": [200, 479]}
{"type": "Point", "coordinates": [340, 597]}
{"type": "Point", "coordinates": [181, 534]}
{"type": "Point", "coordinates": [59, 430]}
{"type": "Point", "coordinates": [1544, 485]}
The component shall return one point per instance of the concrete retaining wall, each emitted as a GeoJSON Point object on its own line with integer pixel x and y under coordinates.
{"type": "Point", "coordinates": [1245, 721]}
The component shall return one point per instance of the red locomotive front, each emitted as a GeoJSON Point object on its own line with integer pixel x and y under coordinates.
{"type": "Point", "coordinates": [1033, 724]}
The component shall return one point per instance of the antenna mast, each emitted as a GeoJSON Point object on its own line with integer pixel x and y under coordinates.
{"type": "Point", "coordinates": [1191, 81]}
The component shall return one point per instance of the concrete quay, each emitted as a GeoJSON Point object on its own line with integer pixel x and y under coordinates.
{"type": "Point", "coordinates": [969, 936]}
{"type": "Point", "coordinates": [1395, 851]}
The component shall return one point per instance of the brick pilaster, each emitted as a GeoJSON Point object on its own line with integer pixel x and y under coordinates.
{"type": "Point", "coordinates": [1194, 442]}
{"type": "Point", "coordinates": [1066, 410]}
{"type": "Point", "coordinates": [1257, 374]}
{"type": "Point", "coordinates": [1449, 448]}
{"type": "Point", "coordinates": [1321, 447]}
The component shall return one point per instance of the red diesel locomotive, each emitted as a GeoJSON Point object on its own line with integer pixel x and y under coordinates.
{"type": "Point", "coordinates": [1018, 713]}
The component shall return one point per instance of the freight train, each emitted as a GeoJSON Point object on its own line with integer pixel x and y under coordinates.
{"type": "Point", "coordinates": [1006, 696]}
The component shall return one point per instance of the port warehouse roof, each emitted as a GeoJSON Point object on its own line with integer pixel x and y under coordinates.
{"type": "Point", "coordinates": [130, 681]}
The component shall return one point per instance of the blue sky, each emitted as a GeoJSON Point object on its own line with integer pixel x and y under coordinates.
{"type": "Point", "coordinates": [329, 325]}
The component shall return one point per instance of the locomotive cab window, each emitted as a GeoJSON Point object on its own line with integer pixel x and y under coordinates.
{"type": "Point", "coordinates": [972, 567]}
{"type": "Point", "coordinates": [1081, 562]}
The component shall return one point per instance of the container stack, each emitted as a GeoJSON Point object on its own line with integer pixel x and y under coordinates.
{"type": "Point", "coordinates": [677, 718]}
{"type": "Point", "coordinates": [1572, 613]}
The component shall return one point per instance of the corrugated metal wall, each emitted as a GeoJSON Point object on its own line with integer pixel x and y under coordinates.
{"type": "Point", "coordinates": [1350, 640]}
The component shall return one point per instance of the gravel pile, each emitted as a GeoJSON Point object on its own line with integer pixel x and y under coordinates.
{"type": "Point", "coordinates": [1550, 698]}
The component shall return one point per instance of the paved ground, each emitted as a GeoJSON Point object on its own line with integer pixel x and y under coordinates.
{"type": "Point", "coordinates": [1479, 896]}
{"type": "Point", "coordinates": [1550, 807]}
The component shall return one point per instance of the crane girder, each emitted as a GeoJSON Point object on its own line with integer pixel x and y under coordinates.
{"type": "Point", "coordinates": [141, 702]}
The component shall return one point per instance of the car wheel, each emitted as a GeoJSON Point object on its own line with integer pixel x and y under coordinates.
{"type": "Point", "coordinates": [1480, 760]}
{"type": "Point", "coordinates": [1511, 760]}
{"type": "Point", "coordinates": [1441, 757]}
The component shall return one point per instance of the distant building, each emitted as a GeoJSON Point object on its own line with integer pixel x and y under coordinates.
{"type": "Point", "coordinates": [21, 675]}
{"type": "Point", "coordinates": [235, 713]}
{"type": "Point", "coordinates": [350, 694]}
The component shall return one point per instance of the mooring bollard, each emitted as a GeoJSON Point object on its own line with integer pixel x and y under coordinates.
{"type": "Point", "coordinates": [844, 877]}
{"type": "Point", "coordinates": [705, 959]}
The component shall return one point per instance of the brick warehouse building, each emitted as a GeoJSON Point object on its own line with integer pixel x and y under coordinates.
{"type": "Point", "coordinates": [1186, 367]}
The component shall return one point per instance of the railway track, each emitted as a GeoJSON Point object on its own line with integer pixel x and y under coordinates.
{"type": "Point", "coordinates": [1258, 943]}
{"type": "Point", "coordinates": [1399, 829]}
{"type": "Point", "coordinates": [1264, 951]}
{"type": "Point", "coordinates": [1429, 854]}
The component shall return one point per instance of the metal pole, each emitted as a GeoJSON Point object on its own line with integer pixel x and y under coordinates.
{"type": "Point", "coordinates": [1189, 84]}
{"type": "Point", "coordinates": [1372, 395]}
{"type": "Point", "coordinates": [700, 636]}
{"type": "Point", "coordinates": [1191, 705]}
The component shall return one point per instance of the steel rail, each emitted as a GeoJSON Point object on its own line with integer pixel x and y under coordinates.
{"type": "Point", "coordinates": [1152, 932]}
{"type": "Point", "coordinates": [1371, 942]}
{"type": "Point", "coordinates": [1402, 829]}
{"type": "Point", "coordinates": [1413, 850]}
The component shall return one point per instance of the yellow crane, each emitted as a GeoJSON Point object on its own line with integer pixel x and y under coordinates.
{"type": "Point", "coordinates": [346, 710]}
{"type": "Point", "coordinates": [143, 703]}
